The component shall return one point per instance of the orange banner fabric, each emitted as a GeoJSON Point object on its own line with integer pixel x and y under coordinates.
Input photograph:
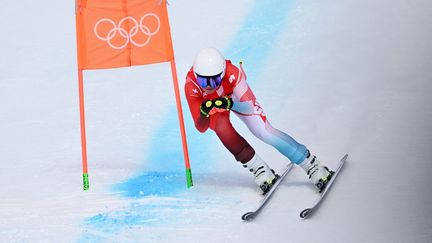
{"type": "Point", "coordinates": [120, 33]}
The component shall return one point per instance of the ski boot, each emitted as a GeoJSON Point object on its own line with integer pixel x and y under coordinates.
{"type": "Point", "coordinates": [320, 175]}
{"type": "Point", "coordinates": [264, 176]}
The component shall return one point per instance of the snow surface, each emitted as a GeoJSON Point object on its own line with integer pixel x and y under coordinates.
{"type": "Point", "coordinates": [340, 76]}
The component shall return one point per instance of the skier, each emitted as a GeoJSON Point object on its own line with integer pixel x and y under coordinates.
{"type": "Point", "coordinates": [214, 87]}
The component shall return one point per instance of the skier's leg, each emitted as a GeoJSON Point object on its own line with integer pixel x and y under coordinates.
{"type": "Point", "coordinates": [293, 150]}
{"type": "Point", "coordinates": [230, 138]}
{"type": "Point", "coordinates": [285, 144]}
{"type": "Point", "coordinates": [242, 151]}
{"type": "Point", "coordinates": [252, 114]}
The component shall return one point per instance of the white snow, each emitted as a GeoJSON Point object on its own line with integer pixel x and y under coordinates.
{"type": "Point", "coordinates": [339, 76]}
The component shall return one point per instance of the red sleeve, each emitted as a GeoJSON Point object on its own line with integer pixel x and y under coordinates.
{"type": "Point", "coordinates": [194, 98]}
{"type": "Point", "coordinates": [232, 77]}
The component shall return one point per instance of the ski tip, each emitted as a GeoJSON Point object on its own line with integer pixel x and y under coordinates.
{"type": "Point", "coordinates": [305, 213]}
{"type": "Point", "coordinates": [248, 216]}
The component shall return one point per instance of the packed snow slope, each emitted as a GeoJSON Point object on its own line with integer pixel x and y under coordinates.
{"type": "Point", "coordinates": [339, 76]}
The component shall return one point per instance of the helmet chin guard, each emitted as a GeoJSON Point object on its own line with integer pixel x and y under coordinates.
{"type": "Point", "coordinates": [209, 62]}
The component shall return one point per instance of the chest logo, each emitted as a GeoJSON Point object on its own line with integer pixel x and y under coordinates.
{"type": "Point", "coordinates": [232, 78]}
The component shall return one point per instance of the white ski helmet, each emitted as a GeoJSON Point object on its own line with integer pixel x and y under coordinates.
{"type": "Point", "coordinates": [209, 62]}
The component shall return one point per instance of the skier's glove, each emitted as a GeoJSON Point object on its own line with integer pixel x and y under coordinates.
{"type": "Point", "coordinates": [225, 103]}
{"type": "Point", "coordinates": [206, 107]}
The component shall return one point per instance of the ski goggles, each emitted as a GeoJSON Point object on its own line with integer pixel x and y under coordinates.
{"type": "Point", "coordinates": [212, 81]}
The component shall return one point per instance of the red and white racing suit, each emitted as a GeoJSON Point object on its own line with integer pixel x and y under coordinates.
{"type": "Point", "coordinates": [247, 108]}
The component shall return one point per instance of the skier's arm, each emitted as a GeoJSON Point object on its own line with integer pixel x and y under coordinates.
{"type": "Point", "coordinates": [245, 107]}
{"type": "Point", "coordinates": [194, 101]}
{"type": "Point", "coordinates": [243, 97]}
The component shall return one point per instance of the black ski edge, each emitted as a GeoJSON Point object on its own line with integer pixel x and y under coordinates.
{"type": "Point", "coordinates": [248, 216]}
{"type": "Point", "coordinates": [305, 213]}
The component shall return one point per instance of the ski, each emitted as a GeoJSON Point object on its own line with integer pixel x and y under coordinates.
{"type": "Point", "coordinates": [252, 214]}
{"type": "Point", "coordinates": [308, 211]}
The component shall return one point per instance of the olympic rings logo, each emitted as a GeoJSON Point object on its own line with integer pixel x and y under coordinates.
{"type": "Point", "coordinates": [128, 36]}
